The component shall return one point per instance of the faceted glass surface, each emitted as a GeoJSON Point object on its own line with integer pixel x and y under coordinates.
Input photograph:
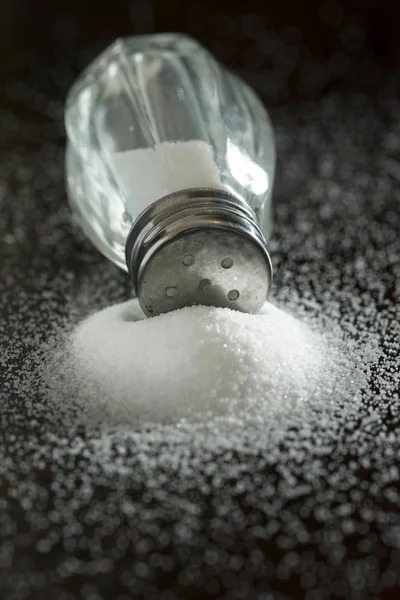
{"type": "Point", "coordinates": [147, 93]}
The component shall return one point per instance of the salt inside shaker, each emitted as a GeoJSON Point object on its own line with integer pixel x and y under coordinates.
{"type": "Point", "coordinates": [170, 165]}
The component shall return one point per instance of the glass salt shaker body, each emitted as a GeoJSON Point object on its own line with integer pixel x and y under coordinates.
{"type": "Point", "coordinates": [170, 165]}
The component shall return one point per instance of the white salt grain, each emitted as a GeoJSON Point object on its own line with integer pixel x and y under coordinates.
{"type": "Point", "coordinates": [305, 497]}
{"type": "Point", "coordinates": [165, 168]}
{"type": "Point", "coordinates": [193, 363]}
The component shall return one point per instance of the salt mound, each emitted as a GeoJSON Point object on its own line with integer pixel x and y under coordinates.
{"type": "Point", "coordinates": [191, 364]}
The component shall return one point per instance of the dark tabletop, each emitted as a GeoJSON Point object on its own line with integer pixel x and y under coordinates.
{"type": "Point", "coordinates": [84, 517]}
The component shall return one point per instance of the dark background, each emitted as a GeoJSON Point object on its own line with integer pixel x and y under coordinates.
{"type": "Point", "coordinates": [340, 36]}
{"type": "Point", "coordinates": [329, 71]}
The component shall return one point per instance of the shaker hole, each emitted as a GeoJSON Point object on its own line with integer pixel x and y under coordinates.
{"type": "Point", "coordinates": [227, 262]}
{"type": "Point", "coordinates": [204, 284]}
{"type": "Point", "coordinates": [171, 292]}
{"type": "Point", "coordinates": [188, 260]}
{"type": "Point", "coordinates": [233, 295]}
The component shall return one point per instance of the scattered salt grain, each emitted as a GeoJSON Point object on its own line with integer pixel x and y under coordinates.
{"type": "Point", "coordinates": [301, 503]}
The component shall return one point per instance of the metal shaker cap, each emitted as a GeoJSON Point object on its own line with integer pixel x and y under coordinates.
{"type": "Point", "coordinates": [198, 246]}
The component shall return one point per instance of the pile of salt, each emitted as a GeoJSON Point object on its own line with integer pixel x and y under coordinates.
{"type": "Point", "coordinates": [193, 364]}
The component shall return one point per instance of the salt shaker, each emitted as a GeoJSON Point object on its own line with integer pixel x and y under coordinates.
{"type": "Point", "coordinates": [170, 165]}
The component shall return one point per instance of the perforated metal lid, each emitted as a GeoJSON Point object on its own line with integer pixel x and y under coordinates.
{"type": "Point", "coordinates": [198, 246]}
